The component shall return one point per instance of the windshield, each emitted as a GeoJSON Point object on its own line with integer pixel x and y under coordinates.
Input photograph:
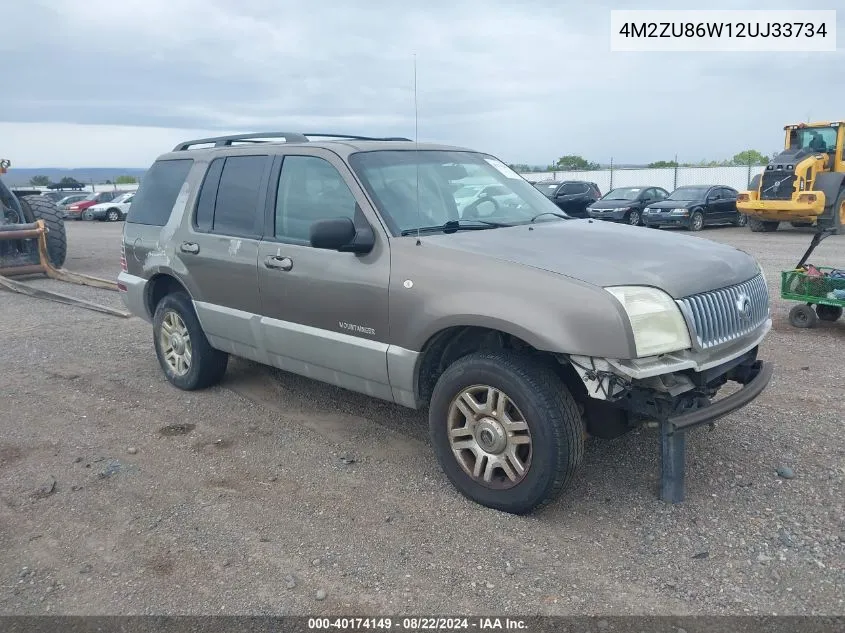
{"type": "Point", "coordinates": [817, 139]}
{"type": "Point", "coordinates": [623, 193]}
{"type": "Point", "coordinates": [391, 177]}
{"type": "Point", "coordinates": [688, 193]}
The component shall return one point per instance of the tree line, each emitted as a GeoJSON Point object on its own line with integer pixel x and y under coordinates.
{"type": "Point", "coordinates": [71, 183]}
{"type": "Point", "coordinates": [573, 162]}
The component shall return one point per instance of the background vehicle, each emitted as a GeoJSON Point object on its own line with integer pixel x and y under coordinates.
{"type": "Point", "coordinates": [53, 196]}
{"type": "Point", "coordinates": [519, 332]}
{"type": "Point", "coordinates": [572, 196]}
{"type": "Point", "coordinates": [694, 207]}
{"type": "Point", "coordinates": [625, 204]}
{"type": "Point", "coordinates": [74, 210]}
{"type": "Point", "coordinates": [110, 211]}
{"type": "Point", "coordinates": [804, 184]}
{"type": "Point", "coordinates": [66, 201]}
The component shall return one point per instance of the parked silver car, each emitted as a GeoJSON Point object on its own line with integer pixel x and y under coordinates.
{"type": "Point", "coordinates": [348, 261]}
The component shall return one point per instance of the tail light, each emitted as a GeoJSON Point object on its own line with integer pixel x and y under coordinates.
{"type": "Point", "coordinates": [123, 258]}
{"type": "Point", "coordinates": [743, 197]}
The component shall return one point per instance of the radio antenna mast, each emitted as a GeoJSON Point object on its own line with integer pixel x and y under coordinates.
{"type": "Point", "coordinates": [416, 149]}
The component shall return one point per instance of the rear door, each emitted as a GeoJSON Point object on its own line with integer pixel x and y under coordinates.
{"type": "Point", "coordinates": [219, 250]}
{"type": "Point", "coordinates": [729, 199]}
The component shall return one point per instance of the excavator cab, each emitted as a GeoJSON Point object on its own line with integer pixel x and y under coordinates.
{"type": "Point", "coordinates": [804, 184]}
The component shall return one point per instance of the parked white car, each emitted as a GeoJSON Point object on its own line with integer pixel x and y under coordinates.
{"type": "Point", "coordinates": [110, 211]}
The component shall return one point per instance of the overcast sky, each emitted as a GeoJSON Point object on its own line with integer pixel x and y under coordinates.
{"type": "Point", "coordinates": [103, 83]}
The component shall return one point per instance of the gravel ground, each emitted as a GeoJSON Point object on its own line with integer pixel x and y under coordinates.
{"type": "Point", "coordinates": [273, 494]}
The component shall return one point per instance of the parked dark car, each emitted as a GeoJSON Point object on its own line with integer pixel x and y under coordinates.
{"type": "Point", "coordinates": [571, 196]}
{"type": "Point", "coordinates": [626, 204]}
{"type": "Point", "coordinates": [694, 207]}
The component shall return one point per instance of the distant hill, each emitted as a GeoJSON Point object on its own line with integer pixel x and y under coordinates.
{"type": "Point", "coordinates": [17, 177]}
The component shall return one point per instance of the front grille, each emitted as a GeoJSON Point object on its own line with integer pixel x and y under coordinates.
{"type": "Point", "coordinates": [716, 317]}
{"type": "Point", "coordinates": [777, 184]}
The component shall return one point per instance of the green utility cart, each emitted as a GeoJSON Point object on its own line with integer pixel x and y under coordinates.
{"type": "Point", "coordinates": [820, 289]}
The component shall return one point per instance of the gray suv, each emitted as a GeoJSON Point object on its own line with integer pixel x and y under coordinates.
{"type": "Point", "coordinates": [522, 330]}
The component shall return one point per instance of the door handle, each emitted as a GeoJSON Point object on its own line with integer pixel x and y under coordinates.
{"type": "Point", "coordinates": [280, 263]}
{"type": "Point", "coordinates": [190, 247]}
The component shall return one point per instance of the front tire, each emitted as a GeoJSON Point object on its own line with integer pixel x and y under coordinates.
{"type": "Point", "coordinates": [803, 316]}
{"type": "Point", "coordinates": [184, 353]}
{"type": "Point", "coordinates": [742, 220]}
{"type": "Point", "coordinates": [762, 226]}
{"type": "Point", "coordinates": [696, 221]}
{"type": "Point", "coordinates": [634, 218]}
{"type": "Point", "coordinates": [113, 215]}
{"type": "Point", "coordinates": [506, 431]}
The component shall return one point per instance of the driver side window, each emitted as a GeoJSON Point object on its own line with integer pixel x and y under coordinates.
{"type": "Point", "coordinates": [310, 189]}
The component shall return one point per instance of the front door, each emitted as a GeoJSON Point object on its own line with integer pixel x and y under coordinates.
{"type": "Point", "coordinates": [324, 312]}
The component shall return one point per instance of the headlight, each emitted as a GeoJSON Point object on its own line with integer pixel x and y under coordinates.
{"type": "Point", "coordinates": [657, 322]}
{"type": "Point", "coordinates": [680, 211]}
{"type": "Point", "coordinates": [623, 209]}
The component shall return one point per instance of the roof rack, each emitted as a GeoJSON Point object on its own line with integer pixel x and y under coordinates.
{"type": "Point", "coordinates": [289, 137]}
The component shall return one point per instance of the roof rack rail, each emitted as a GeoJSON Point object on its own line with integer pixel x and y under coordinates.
{"type": "Point", "coordinates": [226, 141]}
{"type": "Point", "coordinates": [354, 137]}
{"type": "Point", "coordinates": [289, 137]}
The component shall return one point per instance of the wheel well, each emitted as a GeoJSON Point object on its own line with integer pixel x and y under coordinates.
{"type": "Point", "coordinates": [159, 287]}
{"type": "Point", "coordinates": [451, 344]}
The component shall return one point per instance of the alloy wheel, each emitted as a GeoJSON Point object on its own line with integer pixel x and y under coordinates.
{"type": "Point", "coordinates": [489, 437]}
{"type": "Point", "coordinates": [175, 343]}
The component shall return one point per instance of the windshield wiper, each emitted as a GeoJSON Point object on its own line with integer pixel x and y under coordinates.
{"type": "Point", "coordinates": [560, 215]}
{"type": "Point", "coordinates": [456, 225]}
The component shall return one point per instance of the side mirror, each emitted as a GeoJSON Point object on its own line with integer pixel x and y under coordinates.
{"type": "Point", "coordinates": [340, 234]}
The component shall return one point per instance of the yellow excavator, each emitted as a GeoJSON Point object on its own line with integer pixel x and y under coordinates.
{"type": "Point", "coordinates": [804, 184]}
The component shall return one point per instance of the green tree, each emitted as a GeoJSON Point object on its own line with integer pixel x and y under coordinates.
{"type": "Point", "coordinates": [572, 162]}
{"type": "Point", "coordinates": [663, 163]}
{"type": "Point", "coordinates": [125, 180]}
{"type": "Point", "coordinates": [39, 181]}
{"type": "Point", "coordinates": [749, 157]}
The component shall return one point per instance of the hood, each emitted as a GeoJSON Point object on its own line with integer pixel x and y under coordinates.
{"type": "Point", "coordinates": [613, 204]}
{"type": "Point", "coordinates": [673, 204]}
{"type": "Point", "coordinates": [609, 254]}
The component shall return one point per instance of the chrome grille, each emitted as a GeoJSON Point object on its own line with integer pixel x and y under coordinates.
{"type": "Point", "coordinates": [716, 318]}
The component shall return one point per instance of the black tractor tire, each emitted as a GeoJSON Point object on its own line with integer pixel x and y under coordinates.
{"type": "Point", "coordinates": [836, 221]}
{"type": "Point", "coordinates": [803, 316]}
{"type": "Point", "coordinates": [801, 225]}
{"type": "Point", "coordinates": [548, 409]}
{"type": "Point", "coordinates": [828, 313]}
{"type": "Point", "coordinates": [207, 364]}
{"type": "Point", "coordinates": [38, 208]}
{"type": "Point", "coordinates": [696, 221]}
{"type": "Point", "coordinates": [762, 226]}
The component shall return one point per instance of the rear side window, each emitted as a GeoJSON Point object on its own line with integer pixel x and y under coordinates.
{"type": "Point", "coordinates": [237, 195]}
{"type": "Point", "coordinates": [158, 191]}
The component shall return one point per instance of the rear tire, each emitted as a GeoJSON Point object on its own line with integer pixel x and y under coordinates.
{"type": "Point", "coordinates": [39, 208]}
{"type": "Point", "coordinates": [828, 313]}
{"type": "Point", "coordinates": [186, 357]}
{"type": "Point", "coordinates": [534, 397]}
{"type": "Point", "coordinates": [761, 226]}
{"type": "Point", "coordinates": [803, 316]}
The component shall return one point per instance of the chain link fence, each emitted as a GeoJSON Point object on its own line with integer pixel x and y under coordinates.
{"type": "Point", "coordinates": [669, 178]}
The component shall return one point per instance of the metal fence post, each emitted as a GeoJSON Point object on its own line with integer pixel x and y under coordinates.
{"type": "Point", "coordinates": [675, 182]}
{"type": "Point", "coordinates": [611, 174]}
{"type": "Point", "coordinates": [748, 179]}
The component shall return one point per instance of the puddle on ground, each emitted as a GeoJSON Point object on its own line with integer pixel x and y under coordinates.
{"type": "Point", "coordinates": [176, 429]}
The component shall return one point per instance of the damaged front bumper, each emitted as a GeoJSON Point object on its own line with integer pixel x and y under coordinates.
{"type": "Point", "coordinates": [677, 391]}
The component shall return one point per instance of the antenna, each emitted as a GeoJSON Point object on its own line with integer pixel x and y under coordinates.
{"type": "Point", "coordinates": [416, 150]}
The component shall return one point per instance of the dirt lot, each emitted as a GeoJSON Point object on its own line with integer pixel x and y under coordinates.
{"type": "Point", "coordinates": [279, 488]}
